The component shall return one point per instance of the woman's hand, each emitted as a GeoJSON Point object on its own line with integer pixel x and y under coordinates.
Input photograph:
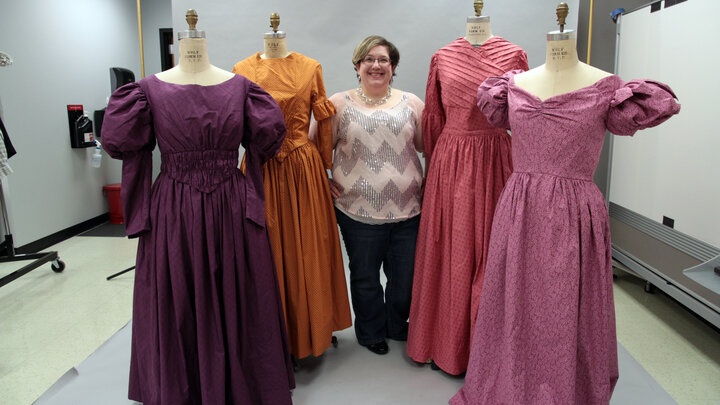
{"type": "Point", "coordinates": [335, 189]}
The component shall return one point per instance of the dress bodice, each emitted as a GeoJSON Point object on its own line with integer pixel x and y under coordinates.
{"type": "Point", "coordinates": [296, 84]}
{"type": "Point", "coordinates": [456, 70]}
{"type": "Point", "coordinates": [563, 135]}
{"type": "Point", "coordinates": [198, 130]}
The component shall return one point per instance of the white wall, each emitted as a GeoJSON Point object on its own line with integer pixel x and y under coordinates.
{"type": "Point", "coordinates": [602, 56]}
{"type": "Point", "coordinates": [62, 52]}
{"type": "Point", "coordinates": [156, 14]}
{"type": "Point", "coordinates": [329, 30]}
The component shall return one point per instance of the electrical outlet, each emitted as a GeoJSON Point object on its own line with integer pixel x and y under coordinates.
{"type": "Point", "coordinates": [668, 222]}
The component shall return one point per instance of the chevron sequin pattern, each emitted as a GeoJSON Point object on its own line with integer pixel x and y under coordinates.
{"type": "Point", "coordinates": [376, 163]}
{"type": "Point", "coordinates": [390, 193]}
{"type": "Point", "coordinates": [370, 123]}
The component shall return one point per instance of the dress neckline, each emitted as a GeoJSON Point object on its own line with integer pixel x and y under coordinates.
{"type": "Point", "coordinates": [561, 95]}
{"type": "Point", "coordinates": [290, 56]}
{"type": "Point", "coordinates": [467, 43]}
{"type": "Point", "coordinates": [233, 77]}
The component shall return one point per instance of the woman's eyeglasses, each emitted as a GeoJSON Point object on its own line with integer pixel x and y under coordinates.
{"type": "Point", "coordinates": [371, 61]}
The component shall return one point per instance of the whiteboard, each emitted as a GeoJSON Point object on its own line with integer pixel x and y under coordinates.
{"type": "Point", "coordinates": [673, 170]}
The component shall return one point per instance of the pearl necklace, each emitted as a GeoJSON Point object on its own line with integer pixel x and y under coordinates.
{"type": "Point", "coordinates": [367, 100]}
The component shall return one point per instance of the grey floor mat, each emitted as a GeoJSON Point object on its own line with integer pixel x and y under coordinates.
{"type": "Point", "coordinates": [341, 375]}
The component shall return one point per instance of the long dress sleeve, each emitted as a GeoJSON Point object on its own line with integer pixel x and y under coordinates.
{"type": "Point", "coordinates": [264, 134]}
{"type": "Point", "coordinates": [433, 116]}
{"type": "Point", "coordinates": [127, 134]}
{"type": "Point", "coordinates": [492, 99]}
{"type": "Point", "coordinates": [640, 104]}
{"type": "Point", "coordinates": [323, 110]}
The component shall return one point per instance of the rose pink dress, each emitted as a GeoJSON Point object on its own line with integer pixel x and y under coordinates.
{"type": "Point", "coordinates": [545, 331]}
{"type": "Point", "coordinates": [469, 163]}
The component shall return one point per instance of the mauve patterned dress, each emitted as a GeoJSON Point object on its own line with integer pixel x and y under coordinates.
{"type": "Point", "coordinates": [469, 163]}
{"type": "Point", "coordinates": [207, 324]}
{"type": "Point", "coordinates": [545, 332]}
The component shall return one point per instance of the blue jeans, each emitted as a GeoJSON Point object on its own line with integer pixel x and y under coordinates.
{"type": "Point", "coordinates": [391, 246]}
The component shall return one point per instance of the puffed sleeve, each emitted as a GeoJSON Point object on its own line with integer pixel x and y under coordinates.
{"type": "Point", "coordinates": [433, 116]}
{"type": "Point", "coordinates": [263, 135]}
{"type": "Point", "coordinates": [522, 62]}
{"type": "Point", "coordinates": [323, 110]}
{"type": "Point", "coordinates": [492, 99]}
{"type": "Point", "coordinates": [640, 104]}
{"type": "Point", "coordinates": [127, 134]}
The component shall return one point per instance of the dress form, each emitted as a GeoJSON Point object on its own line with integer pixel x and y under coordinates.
{"type": "Point", "coordinates": [275, 44]}
{"type": "Point", "coordinates": [562, 72]}
{"type": "Point", "coordinates": [477, 28]}
{"type": "Point", "coordinates": [194, 66]}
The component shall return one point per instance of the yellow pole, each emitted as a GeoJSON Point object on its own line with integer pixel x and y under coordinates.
{"type": "Point", "coordinates": [140, 34]}
{"type": "Point", "coordinates": [589, 44]}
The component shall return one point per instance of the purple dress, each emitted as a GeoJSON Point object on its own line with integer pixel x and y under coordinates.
{"type": "Point", "coordinates": [207, 325]}
{"type": "Point", "coordinates": [545, 331]}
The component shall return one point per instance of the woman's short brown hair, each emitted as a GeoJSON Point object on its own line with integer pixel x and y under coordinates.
{"type": "Point", "coordinates": [364, 47]}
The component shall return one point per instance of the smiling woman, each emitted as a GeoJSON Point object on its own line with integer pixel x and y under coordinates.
{"type": "Point", "coordinates": [375, 60]}
{"type": "Point", "coordinates": [376, 184]}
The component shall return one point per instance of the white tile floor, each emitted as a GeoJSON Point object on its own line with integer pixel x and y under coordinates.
{"type": "Point", "coordinates": [679, 350]}
{"type": "Point", "coordinates": [51, 322]}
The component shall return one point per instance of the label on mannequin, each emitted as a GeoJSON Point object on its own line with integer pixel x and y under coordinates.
{"type": "Point", "coordinates": [193, 56]}
{"type": "Point", "coordinates": [272, 45]}
{"type": "Point", "coordinates": [559, 53]}
{"type": "Point", "coordinates": [477, 29]}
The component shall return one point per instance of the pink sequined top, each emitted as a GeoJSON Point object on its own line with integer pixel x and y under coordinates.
{"type": "Point", "coordinates": [376, 163]}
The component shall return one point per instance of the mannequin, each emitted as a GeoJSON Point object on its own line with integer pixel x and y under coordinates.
{"type": "Point", "coordinates": [300, 218]}
{"type": "Point", "coordinates": [562, 72]}
{"type": "Point", "coordinates": [197, 304]}
{"type": "Point", "coordinates": [477, 29]}
{"type": "Point", "coordinates": [194, 66]}
{"type": "Point", "coordinates": [444, 305]}
{"type": "Point", "coordinates": [274, 42]}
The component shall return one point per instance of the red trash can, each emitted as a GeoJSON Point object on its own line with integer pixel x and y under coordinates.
{"type": "Point", "coordinates": [115, 202]}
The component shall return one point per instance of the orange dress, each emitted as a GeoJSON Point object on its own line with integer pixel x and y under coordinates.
{"type": "Point", "coordinates": [299, 209]}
